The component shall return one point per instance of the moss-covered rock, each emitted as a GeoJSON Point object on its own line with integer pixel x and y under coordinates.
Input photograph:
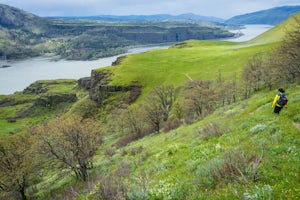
{"type": "Point", "coordinates": [52, 99]}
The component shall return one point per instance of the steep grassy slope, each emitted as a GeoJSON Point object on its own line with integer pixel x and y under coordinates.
{"type": "Point", "coordinates": [255, 155]}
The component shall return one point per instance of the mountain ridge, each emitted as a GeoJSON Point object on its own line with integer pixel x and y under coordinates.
{"type": "Point", "coordinates": [24, 35]}
{"type": "Point", "coordinates": [155, 17]}
{"type": "Point", "coordinates": [270, 16]}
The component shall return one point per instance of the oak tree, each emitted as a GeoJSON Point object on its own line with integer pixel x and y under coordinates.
{"type": "Point", "coordinates": [17, 163]}
{"type": "Point", "coordinates": [71, 142]}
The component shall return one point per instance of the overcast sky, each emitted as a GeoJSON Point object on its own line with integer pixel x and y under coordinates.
{"type": "Point", "coordinates": [216, 8]}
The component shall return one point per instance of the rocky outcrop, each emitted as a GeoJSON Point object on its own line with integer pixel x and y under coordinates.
{"type": "Point", "coordinates": [53, 99]}
{"type": "Point", "coordinates": [84, 83]}
{"type": "Point", "coordinates": [100, 89]}
{"type": "Point", "coordinates": [47, 101]}
{"type": "Point", "coordinates": [98, 79]}
{"type": "Point", "coordinates": [35, 88]}
{"type": "Point", "coordinates": [118, 60]}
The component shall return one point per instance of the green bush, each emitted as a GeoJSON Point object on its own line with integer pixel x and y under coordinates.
{"type": "Point", "coordinates": [297, 118]}
{"type": "Point", "coordinates": [257, 128]}
{"type": "Point", "coordinates": [233, 166]}
{"type": "Point", "coordinates": [259, 193]}
{"type": "Point", "coordinates": [211, 129]}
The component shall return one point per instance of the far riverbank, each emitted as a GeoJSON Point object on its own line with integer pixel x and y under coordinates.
{"type": "Point", "coordinates": [21, 74]}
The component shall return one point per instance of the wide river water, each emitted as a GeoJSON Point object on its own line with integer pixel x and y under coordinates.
{"type": "Point", "coordinates": [22, 73]}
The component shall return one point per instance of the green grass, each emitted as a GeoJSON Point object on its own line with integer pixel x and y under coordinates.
{"type": "Point", "coordinates": [200, 60]}
{"type": "Point", "coordinates": [21, 102]}
{"type": "Point", "coordinates": [184, 156]}
{"type": "Point", "coordinates": [56, 86]}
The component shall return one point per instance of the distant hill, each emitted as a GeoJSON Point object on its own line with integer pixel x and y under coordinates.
{"type": "Point", "coordinates": [20, 33]}
{"type": "Point", "coordinates": [140, 18]}
{"type": "Point", "coordinates": [25, 35]}
{"type": "Point", "coordinates": [14, 18]}
{"type": "Point", "coordinates": [271, 16]}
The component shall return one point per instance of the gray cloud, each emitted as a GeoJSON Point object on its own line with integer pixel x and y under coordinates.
{"type": "Point", "coordinates": [217, 8]}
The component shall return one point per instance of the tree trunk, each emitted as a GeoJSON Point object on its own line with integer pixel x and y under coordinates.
{"type": "Point", "coordinates": [84, 175]}
{"type": "Point", "coordinates": [22, 192]}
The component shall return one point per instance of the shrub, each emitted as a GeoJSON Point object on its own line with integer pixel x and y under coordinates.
{"type": "Point", "coordinates": [132, 137]}
{"type": "Point", "coordinates": [172, 150]}
{"type": "Point", "coordinates": [235, 166]}
{"type": "Point", "coordinates": [126, 140]}
{"type": "Point", "coordinates": [211, 130]}
{"type": "Point", "coordinates": [171, 124]}
{"type": "Point", "coordinates": [258, 128]}
{"type": "Point", "coordinates": [296, 118]}
{"type": "Point", "coordinates": [85, 108]}
{"type": "Point", "coordinates": [113, 186]}
{"type": "Point", "coordinates": [110, 151]}
{"type": "Point", "coordinates": [239, 166]}
{"type": "Point", "coordinates": [132, 151]}
{"type": "Point", "coordinates": [139, 189]}
{"type": "Point", "coordinates": [163, 190]}
{"type": "Point", "coordinates": [134, 94]}
{"type": "Point", "coordinates": [110, 188]}
{"type": "Point", "coordinates": [259, 193]}
{"type": "Point", "coordinates": [181, 190]}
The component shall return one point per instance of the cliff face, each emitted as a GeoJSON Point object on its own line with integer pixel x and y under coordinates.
{"type": "Point", "coordinates": [100, 90]}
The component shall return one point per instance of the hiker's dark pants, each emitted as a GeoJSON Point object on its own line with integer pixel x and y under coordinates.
{"type": "Point", "coordinates": [277, 109]}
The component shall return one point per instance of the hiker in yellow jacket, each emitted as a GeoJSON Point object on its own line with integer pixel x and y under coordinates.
{"type": "Point", "coordinates": [280, 101]}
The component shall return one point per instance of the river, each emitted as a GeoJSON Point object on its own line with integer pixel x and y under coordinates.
{"type": "Point", "coordinates": [22, 73]}
{"type": "Point", "coordinates": [249, 32]}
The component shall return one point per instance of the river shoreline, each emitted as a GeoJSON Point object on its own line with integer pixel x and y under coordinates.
{"type": "Point", "coordinates": [22, 73]}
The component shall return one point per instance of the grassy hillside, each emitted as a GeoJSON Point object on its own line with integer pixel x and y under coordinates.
{"type": "Point", "coordinates": [199, 161]}
{"type": "Point", "coordinates": [20, 106]}
{"type": "Point", "coordinates": [194, 59]}
{"type": "Point", "coordinates": [239, 151]}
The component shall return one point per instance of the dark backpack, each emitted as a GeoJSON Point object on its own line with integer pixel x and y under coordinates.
{"type": "Point", "coordinates": [282, 100]}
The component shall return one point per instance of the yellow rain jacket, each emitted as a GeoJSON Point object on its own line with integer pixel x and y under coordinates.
{"type": "Point", "coordinates": [275, 102]}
